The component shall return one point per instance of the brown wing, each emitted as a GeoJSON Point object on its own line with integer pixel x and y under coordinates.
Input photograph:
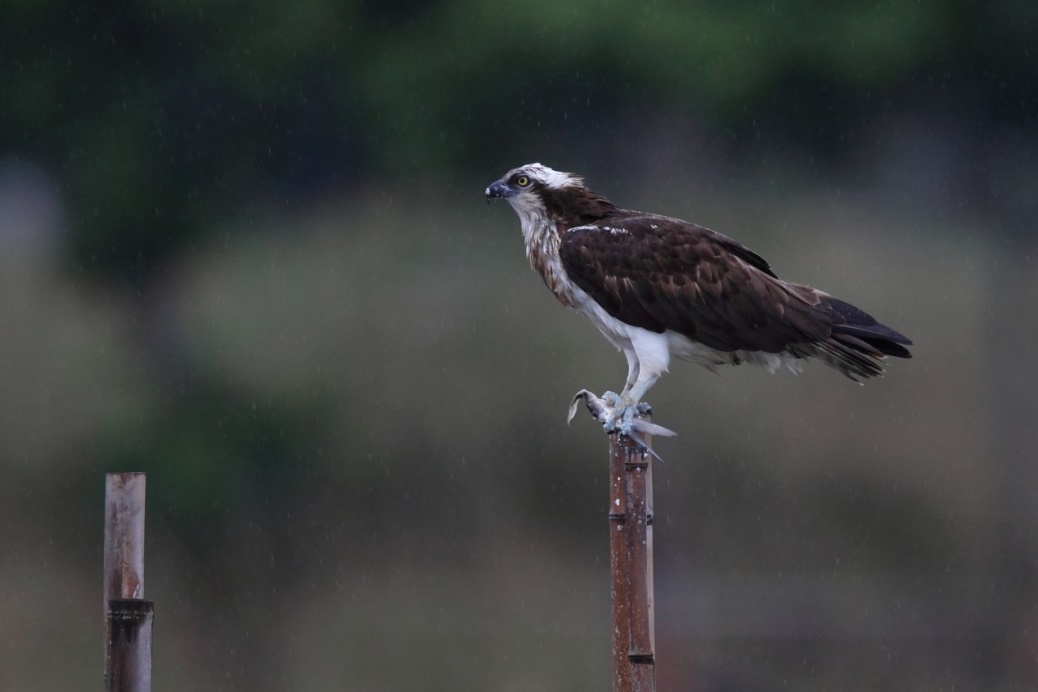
{"type": "Point", "coordinates": [661, 273]}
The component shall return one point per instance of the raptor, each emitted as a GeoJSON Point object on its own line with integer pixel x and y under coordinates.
{"type": "Point", "coordinates": [660, 288]}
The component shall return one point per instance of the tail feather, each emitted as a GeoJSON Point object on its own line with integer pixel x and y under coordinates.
{"type": "Point", "coordinates": [858, 341]}
{"type": "Point", "coordinates": [850, 361]}
{"type": "Point", "coordinates": [858, 344]}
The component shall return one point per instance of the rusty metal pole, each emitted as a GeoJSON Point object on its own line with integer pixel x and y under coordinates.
{"type": "Point", "coordinates": [128, 616]}
{"type": "Point", "coordinates": [129, 645]}
{"type": "Point", "coordinates": [619, 449]}
{"type": "Point", "coordinates": [630, 557]}
{"type": "Point", "coordinates": [641, 651]}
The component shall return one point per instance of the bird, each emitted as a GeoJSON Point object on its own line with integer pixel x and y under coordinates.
{"type": "Point", "coordinates": [660, 288]}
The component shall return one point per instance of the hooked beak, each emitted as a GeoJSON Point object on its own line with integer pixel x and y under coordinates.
{"type": "Point", "coordinates": [499, 189]}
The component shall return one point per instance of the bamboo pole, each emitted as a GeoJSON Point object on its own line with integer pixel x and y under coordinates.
{"type": "Point", "coordinates": [630, 558]}
{"type": "Point", "coordinates": [619, 449]}
{"type": "Point", "coordinates": [128, 616]}
{"type": "Point", "coordinates": [129, 645]}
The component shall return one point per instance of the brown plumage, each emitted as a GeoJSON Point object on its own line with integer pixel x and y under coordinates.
{"type": "Point", "coordinates": [665, 274]}
{"type": "Point", "coordinates": [706, 297]}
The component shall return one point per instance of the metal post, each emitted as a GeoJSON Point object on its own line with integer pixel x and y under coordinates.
{"type": "Point", "coordinates": [129, 645]}
{"type": "Point", "coordinates": [128, 616]}
{"type": "Point", "coordinates": [630, 550]}
{"type": "Point", "coordinates": [619, 449]}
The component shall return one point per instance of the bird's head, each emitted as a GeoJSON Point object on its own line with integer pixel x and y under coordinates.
{"type": "Point", "coordinates": [530, 188]}
{"type": "Point", "coordinates": [539, 194]}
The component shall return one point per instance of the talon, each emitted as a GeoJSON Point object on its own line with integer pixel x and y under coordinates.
{"type": "Point", "coordinates": [619, 417]}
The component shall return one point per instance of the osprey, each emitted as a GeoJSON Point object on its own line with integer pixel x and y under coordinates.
{"type": "Point", "coordinates": [659, 287]}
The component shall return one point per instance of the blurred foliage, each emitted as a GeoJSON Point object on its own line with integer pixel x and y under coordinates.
{"type": "Point", "coordinates": [163, 116]}
{"type": "Point", "coordinates": [242, 248]}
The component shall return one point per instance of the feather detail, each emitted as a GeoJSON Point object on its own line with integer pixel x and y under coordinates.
{"type": "Point", "coordinates": [658, 286]}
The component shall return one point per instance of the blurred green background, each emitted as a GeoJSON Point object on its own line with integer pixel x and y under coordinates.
{"type": "Point", "coordinates": [244, 248]}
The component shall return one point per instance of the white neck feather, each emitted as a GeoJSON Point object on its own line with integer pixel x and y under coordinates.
{"type": "Point", "coordinates": [542, 249]}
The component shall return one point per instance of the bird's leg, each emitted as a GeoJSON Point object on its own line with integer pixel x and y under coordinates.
{"type": "Point", "coordinates": [637, 427]}
{"type": "Point", "coordinates": [618, 414]}
{"type": "Point", "coordinates": [614, 410]}
{"type": "Point", "coordinates": [638, 389]}
{"type": "Point", "coordinates": [623, 407]}
{"type": "Point", "coordinates": [633, 368]}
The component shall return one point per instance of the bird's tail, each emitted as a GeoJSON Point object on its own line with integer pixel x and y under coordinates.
{"type": "Point", "coordinates": [858, 342]}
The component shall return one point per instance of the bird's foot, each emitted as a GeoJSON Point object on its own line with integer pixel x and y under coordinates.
{"type": "Point", "coordinates": [620, 415]}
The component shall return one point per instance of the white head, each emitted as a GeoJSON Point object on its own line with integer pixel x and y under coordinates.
{"type": "Point", "coordinates": [530, 189]}
{"type": "Point", "coordinates": [545, 198]}
{"type": "Point", "coordinates": [531, 180]}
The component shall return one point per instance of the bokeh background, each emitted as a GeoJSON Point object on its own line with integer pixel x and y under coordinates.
{"type": "Point", "coordinates": [244, 248]}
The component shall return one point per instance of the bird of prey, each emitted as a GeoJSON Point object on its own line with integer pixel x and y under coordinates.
{"type": "Point", "coordinates": [659, 287]}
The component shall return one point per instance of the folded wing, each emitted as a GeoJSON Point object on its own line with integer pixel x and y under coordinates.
{"type": "Point", "coordinates": [662, 274]}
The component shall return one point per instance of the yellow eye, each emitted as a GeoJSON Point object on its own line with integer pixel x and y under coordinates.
{"type": "Point", "coordinates": [522, 181]}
